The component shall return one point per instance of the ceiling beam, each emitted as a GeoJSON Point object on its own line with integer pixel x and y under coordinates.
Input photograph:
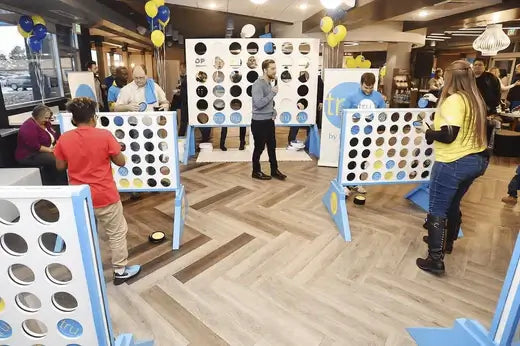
{"type": "Point", "coordinates": [508, 10]}
{"type": "Point", "coordinates": [373, 12]}
{"type": "Point", "coordinates": [117, 30]}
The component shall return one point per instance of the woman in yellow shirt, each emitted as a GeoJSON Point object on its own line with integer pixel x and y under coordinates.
{"type": "Point", "coordinates": [460, 144]}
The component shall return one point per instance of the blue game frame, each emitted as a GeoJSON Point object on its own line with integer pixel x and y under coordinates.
{"type": "Point", "coordinates": [312, 142]}
{"type": "Point", "coordinates": [180, 205]}
{"type": "Point", "coordinates": [465, 332]}
{"type": "Point", "coordinates": [334, 199]}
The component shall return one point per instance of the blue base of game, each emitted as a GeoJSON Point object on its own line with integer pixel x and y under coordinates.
{"type": "Point", "coordinates": [312, 143]}
{"type": "Point", "coordinates": [464, 333]}
{"type": "Point", "coordinates": [334, 201]}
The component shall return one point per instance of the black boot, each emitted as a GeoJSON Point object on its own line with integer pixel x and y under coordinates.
{"type": "Point", "coordinates": [278, 175]}
{"type": "Point", "coordinates": [223, 146]}
{"type": "Point", "coordinates": [452, 232]}
{"type": "Point", "coordinates": [434, 263]}
{"type": "Point", "coordinates": [242, 146]}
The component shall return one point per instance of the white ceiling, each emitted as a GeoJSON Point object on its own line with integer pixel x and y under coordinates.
{"type": "Point", "coordinates": [444, 9]}
{"type": "Point", "coordinates": [283, 10]}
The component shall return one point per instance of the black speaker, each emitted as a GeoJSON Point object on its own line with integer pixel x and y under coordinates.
{"type": "Point", "coordinates": [423, 64]}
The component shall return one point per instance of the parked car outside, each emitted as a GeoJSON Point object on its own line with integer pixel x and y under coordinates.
{"type": "Point", "coordinates": [19, 82]}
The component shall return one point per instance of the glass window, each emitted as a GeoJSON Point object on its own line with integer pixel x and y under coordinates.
{"type": "Point", "coordinates": [18, 69]}
{"type": "Point", "coordinates": [93, 54]}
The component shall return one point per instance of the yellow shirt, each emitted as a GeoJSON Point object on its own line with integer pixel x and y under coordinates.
{"type": "Point", "coordinates": [454, 111]}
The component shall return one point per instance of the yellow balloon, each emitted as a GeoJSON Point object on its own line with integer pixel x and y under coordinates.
{"type": "Point", "coordinates": [332, 40]}
{"type": "Point", "coordinates": [359, 60]}
{"type": "Point", "coordinates": [158, 2]}
{"type": "Point", "coordinates": [366, 64]}
{"type": "Point", "coordinates": [25, 34]}
{"type": "Point", "coordinates": [341, 32]}
{"type": "Point", "coordinates": [351, 62]}
{"type": "Point", "coordinates": [382, 73]}
{"type": "Point", "coordinates": [38, 20]}
{"type": "Point", "coordinates": [326, 24]}
{"type": "Point", "coordinates": [157, 38]}
{"type": "Point", "coordinates": [151, 9]}
{"type": "Point", "coordinates": [164, 23]}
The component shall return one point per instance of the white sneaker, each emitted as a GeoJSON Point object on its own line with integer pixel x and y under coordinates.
{"type": "Point", "coordinates": [298, 145]}
{"type": "Point", "coordinates": [291, 148]}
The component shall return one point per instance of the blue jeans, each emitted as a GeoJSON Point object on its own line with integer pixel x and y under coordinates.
{"type": "Point", "coordinates": [450, 181]}
{"type": "Point", "coordinates": [514, 185]}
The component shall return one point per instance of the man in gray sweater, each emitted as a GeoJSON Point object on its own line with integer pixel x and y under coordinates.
{"type": "Point", "coordinates": [262, 125]}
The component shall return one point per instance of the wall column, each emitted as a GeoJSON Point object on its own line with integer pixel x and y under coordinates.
{"type": "Point", "coordinates": [398, 56]}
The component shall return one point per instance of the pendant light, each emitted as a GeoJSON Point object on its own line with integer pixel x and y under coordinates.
{"type": "Point", "coordinates": [492, 40]}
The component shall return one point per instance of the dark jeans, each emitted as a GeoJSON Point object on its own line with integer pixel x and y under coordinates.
{"type": "Point", "coordinates": [223, 136]}
{"type": "Point", "coordinates": [50, 175]}
{"type": "Point", "coordinates": [450, 181]}
{"type": "Point", "coordinates": [293, 133]}
{"type": "Point", "coordinates": [183, 126]}
{"type": "Point", "coordinates": [514, 185]}
{"type": "Point", "coordinates": [264, 134]}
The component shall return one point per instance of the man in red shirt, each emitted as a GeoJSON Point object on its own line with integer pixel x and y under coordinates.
{"type": "Point", "coordinates": [87, 152]}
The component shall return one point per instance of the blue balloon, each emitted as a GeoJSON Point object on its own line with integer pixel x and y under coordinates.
{"type": "Point", "coordinates": [26, 23]}
{"type": "Point", "coordinates": [40, 31]}
{"type": "Point", "coordinates": [153, 23]}
{"type": "Point", "coordinates": [164, 13]}
{"type": "Point", "coordinates": [35, 44]}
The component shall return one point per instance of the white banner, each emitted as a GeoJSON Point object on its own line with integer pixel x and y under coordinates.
{"type": "Point", "coordinates": [338, 84]}
{"type": "Point", "coordinates": [82, 84]}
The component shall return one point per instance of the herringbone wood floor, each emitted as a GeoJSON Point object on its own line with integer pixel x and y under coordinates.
{"type": "Point", "coordinates": [263, 264]}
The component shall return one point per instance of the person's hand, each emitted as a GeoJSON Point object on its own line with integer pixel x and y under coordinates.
{"type": "Point", "coordinates": [275, 89]}
{"type": "Point", "coordinates": [430, 97]}
{"type": "Point", "coordinates": [301, 106]}
{"type": "Point", "coordinates": [133, 107]}
{"type": "Point", "coordinates": [320, 107]}
{"type": "Point", "coordinates": [164, 107]}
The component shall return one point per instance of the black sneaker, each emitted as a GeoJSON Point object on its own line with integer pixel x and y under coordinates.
{"type": "Point", "coordinates": [242, 146]}
{"type": "Point", "coordinates": [260, 176]}
{"type": "Point", "coordinates": [129, 273]}
{"type": "Point", "coordinates": [278, 175]}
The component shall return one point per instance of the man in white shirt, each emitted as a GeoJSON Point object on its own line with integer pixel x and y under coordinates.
{"type": "Point", "coordinates": [142, 95]}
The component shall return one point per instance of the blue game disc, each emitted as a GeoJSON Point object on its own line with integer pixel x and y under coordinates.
{"type": "Point", "coordinates": [142, 107]}
{"type": "Point", "coordinates": [422, 103]}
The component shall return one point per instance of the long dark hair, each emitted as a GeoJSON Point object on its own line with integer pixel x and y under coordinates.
{"type": "Point", "coordinates": [459, 78]}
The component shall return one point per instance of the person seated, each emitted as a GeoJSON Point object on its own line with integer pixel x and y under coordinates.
{"type": "Point", "coordinates": [120, 81]}
{"type": "Point", "coordinates": [35, 148]}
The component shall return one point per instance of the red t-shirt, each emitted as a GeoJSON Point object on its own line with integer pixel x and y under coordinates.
{"type": "Point", "coordinates": [87, 151]}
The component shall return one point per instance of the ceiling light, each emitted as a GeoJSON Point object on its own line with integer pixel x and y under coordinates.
{"type": "Point", "coordinates": [423, 13]}
{"type": "Point", "coordinates": [212, 5]}
{"type": "Point", "coordinates": [350, 43]}
{"type": "Point", "coordinates": [258, 2]}
{"type": "Point", "coordinates": [303, 6]}
{"type": "Point", "coordinates": [436, 33]}
{"type": "Point", "coordinates": [465, 34]}
{"type": "Point", "coordinates": [437, 36]}
{"type": "Point", "coordinates": [434, 39]}
{"type": "Point", "coordinates": [492, 40]}
{"type": "Point", "coordinates": [495, 17]}
{"type": "Point", "coordinates": [330, 4]}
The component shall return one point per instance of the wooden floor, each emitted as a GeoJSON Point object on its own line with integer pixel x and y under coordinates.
{"type": "Point", "coordinates": [263, 264]}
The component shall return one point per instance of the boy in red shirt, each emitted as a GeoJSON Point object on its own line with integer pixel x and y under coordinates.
{"type": "Point", "coordinates": [87, 152]}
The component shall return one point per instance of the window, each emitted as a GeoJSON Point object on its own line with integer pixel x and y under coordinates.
{"type": "Point", "coordinates": [93, 54]}
{"type": "Point", "coordinates": [18, 68]}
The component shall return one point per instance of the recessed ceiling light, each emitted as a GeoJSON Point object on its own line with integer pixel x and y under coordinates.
{"type": "Point", "coordinates": [303, 6]}
{"type": "Point", "coordinates": [350, 43]}
{"type": "Point", "coordinates": [423, 13]}
{"type": "Point", "coordinates": [331, 4]}
{"type": "Point", "coordinates": [258, 2]}
{"type": "Point", "coordinates": [212, 5]}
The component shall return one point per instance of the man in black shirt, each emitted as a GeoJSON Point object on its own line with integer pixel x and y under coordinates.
{"type": "Point", "coordinates": [488, 85]}
{"type": "Point", "coordinates": [514, 94]}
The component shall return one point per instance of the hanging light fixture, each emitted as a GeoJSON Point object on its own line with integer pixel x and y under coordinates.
{"type": "Point", "coordinates": [330, 4]}
{"type": "Point", "coordinates": [492, 40]}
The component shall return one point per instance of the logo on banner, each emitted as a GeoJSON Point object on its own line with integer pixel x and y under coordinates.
{"type": "Point", "coordinates": [200, 62]}
{"type": "Point", "coordinates": [334, 99]}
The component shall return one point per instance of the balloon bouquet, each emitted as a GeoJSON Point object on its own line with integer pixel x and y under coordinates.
{"type": "Point", "coordinates": [34, 31]}
{"type": "Point", "coordinates": [158, 16]}
{"type": "Point", "coordinates": [334, 36]}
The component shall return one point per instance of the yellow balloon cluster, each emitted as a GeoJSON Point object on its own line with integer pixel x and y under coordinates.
{"type": "Point", "coordinates": [382, 72]}
{"type": "Point", "coordinates": [157, 38]}
{"type": "Point", "coordinates": [358, 62]}
{"type": "Point", "coordinates": [337, 35]}
{"type": "Point", "coordinates": [38, 20]}
{"type": "Point", "coordinates": [158, 3]}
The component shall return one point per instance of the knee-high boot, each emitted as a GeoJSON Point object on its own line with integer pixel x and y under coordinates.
{"type": "Point", "coordinates": [453, 227]}
{"type": "Point", "coordinates": [434, 263]}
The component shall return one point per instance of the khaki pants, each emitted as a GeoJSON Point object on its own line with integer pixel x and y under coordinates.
{"type": "Point", "coordinates": [112, 219]}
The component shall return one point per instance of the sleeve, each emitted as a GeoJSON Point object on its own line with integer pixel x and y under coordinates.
{"type": "Point", "coordinates": [29, 137]}
{"type": "Point", "coordinates": [495, 92]}
{"type": "Point", "coordinates": [380, 101]}
{"type": "Point", "coordinates": [161, 95]}
{"type": "Point", "coordinates": [453, 111]}
{"type": "Point", "coordinates": [259, 101]}
{"type": "Point", "coordinates": [58, 151]}
{"type": "Point", "coordinates": [447, 134]}
{"type": "Point", "coordinates": [124, 97]}
{"type": "Point", "coordinates": [111, 95]}
{"type": "Point", "coordinates": [113, 146]}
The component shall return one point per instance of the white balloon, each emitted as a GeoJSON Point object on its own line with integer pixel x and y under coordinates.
{"type": "Point", "coordinates": [248, 31]}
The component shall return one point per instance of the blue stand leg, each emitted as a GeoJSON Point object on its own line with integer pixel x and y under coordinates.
{"type": "Point", "coordinates": [314, 141]}
{"type": "Point", "coordinates": [128, 340]}
{"type": "Point", "coordinates": [334, 200]}
{"type": "Point", "coordinates": [464, 333]}
{"type": "Point", "coordinates": [420, 196]}
{"type": "Point", "coordinates": [181, 207]}
{"type": "Point", "coordinates": [189, 146]}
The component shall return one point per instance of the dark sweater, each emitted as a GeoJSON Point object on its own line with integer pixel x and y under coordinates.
{"type": "Point", "coordinates": [489, 87]}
